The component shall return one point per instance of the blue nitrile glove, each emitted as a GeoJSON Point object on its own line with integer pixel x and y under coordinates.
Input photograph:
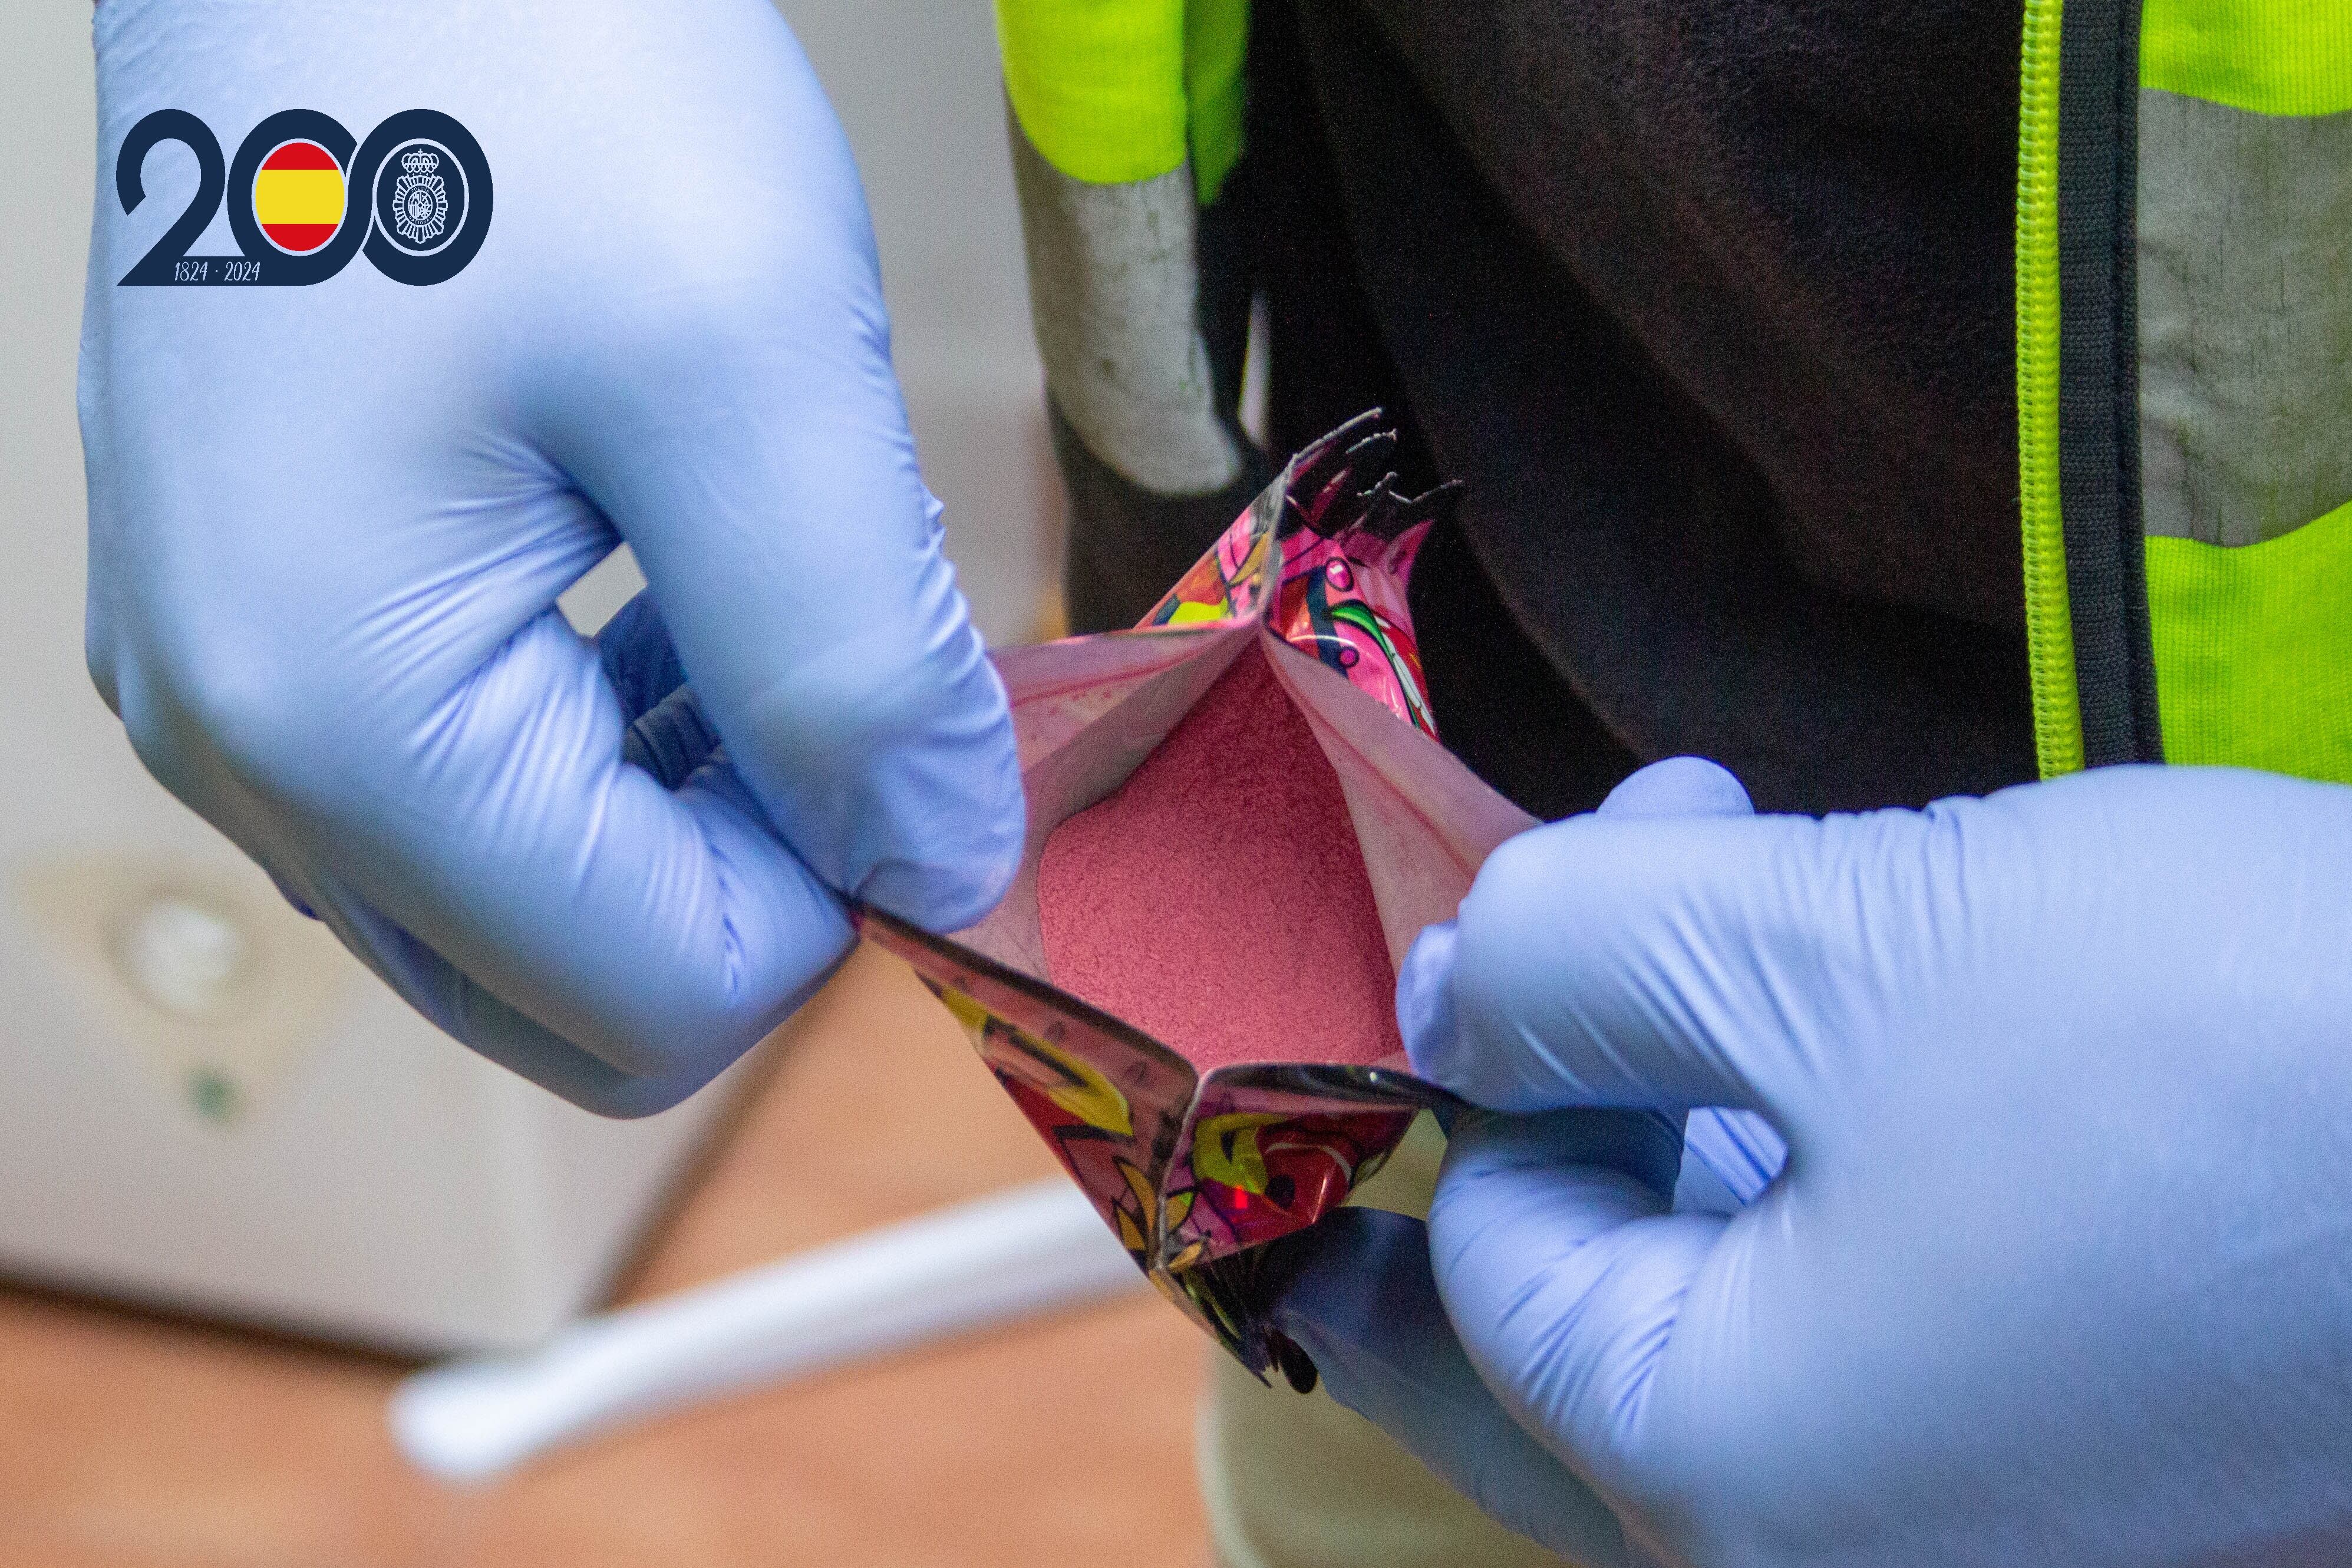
{"type": "Point", "coordinates": [2060, 1270]}
{"type": "Point", "coordinates": [328, 525]}
{"type": "Point", "coordinates": [1359, 1296]}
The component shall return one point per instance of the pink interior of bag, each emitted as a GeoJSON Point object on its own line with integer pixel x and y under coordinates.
{"type": "Point", "coordinates": [1217, 900]}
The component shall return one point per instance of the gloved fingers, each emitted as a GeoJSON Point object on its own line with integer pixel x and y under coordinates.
{"type": "Point", "coordinates": [1564, 1274]}
{"type": "Point", "coordinates": [668, 735]}
{"type": "Point", "coordinates": [1730, 1158]}
{"type": "Point", "coordinates": [743, 430]}
{"type": "Point", "coordinates": [1731, 1155]}
{"type": "Point", "coordinates": [1678, 787]}
{"type": "Point", "coordinates": [672, 740]}
{"type": "Point", "coordinates": [638, 657]}
{"type": "Point", "coordinates": [1426, 981]}
{"type": "Point", "coordinates": [464, 1010]}
{"type": "Point", "coordinates": [831, 651]}
{"type": "Point", "coordinates": [1361, 1300]}
{"type": "Point", "coordinates": [661, 932]}
{"type": "Point", "coordinates": [1636, 956]}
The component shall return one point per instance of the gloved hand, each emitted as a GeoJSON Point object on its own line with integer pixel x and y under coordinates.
{"type": "Point", "coordinates": [1359, 1296]}
{"type": "Point", "coordinates": [2060, 1270]}
{"type": "Point", "coordinates": [328, 525]}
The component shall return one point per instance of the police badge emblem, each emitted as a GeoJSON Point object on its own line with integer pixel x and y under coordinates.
{"type": "Point", "coordinates": [420, 202]}
{"type": "Point", "coordinates": [420, 198]}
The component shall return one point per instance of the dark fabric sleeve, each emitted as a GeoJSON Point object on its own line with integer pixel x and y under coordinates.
{"type": "Point", "coordinates": [1635, 538]}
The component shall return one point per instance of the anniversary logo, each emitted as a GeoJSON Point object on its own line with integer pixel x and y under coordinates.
{"type": "Point", "coordinates": [288, 196]}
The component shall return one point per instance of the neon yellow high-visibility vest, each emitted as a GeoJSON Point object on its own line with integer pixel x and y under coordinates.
{"type": "Point", "coordinates": [1112, 91]}
{"type": "Point", "coordinates": [2184, 380]}
{"type": "Point", "coordinates": [2184, 338]}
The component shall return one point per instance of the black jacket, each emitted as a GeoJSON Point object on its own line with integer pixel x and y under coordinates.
{"type": "Point", "coordinates": [1709, 303]}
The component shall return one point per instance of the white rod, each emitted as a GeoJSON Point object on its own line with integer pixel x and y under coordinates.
{"type": "Point", "coordinates": [1015, 1254]}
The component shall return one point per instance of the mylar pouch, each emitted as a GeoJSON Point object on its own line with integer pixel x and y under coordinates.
{"type": "Point", "coordinates": [1196, 1170]}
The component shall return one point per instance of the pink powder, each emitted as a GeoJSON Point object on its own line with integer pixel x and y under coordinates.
{"type": "Point", "coordinates": [1217, 900]}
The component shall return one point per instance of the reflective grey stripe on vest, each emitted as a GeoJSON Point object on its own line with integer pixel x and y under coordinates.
{"type": "Point", "coordinates": [1114, 294]}
{"type": "Point", "coordinates": [2245, 263]}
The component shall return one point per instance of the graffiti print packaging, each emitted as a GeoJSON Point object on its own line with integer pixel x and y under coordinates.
{"type": "Point", "coordinates": [1239, 819]}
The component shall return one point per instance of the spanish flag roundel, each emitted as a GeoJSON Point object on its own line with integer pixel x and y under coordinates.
{"type": "Point", "coordinates": [298, 198]}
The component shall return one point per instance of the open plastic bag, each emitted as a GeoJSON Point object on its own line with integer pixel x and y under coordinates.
{"type": "Point", "coordinates": [1239, 819]}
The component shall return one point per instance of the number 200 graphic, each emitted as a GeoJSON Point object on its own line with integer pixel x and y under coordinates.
{"type": "Point", "coordinates": [303, 198]}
